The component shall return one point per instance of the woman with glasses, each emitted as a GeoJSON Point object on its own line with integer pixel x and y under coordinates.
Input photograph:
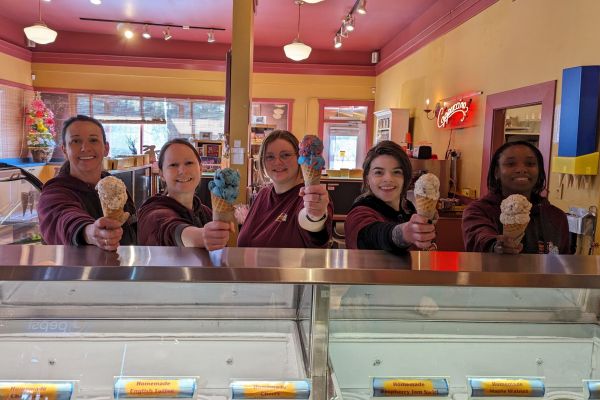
{"type": "Point", "coordinates": [286, 213]}
{"type": "Point", "coordinates": [382, 217]}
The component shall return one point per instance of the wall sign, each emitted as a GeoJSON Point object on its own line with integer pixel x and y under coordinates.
{"type": "Point", "coordinates": [454, 115]}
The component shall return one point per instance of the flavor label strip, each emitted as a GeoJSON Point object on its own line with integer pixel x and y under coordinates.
{"type": "Point", "coordinates": [35, 390]}
{"type": "Point", "coordinates": [507, 387]}
{"type": "Point", "coordinates": [409, 387]}
{"type": "Point", "coordinates": [270, 389]}
{"type": "Point", "coordinates": [156, 387]}
{"type": "Point", "coordinates": [592, 388]}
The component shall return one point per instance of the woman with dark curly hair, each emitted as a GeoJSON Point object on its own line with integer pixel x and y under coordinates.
{"type": "Point", "coordinates": [516, 168]}
{"type": "Point", "coordinates": [382, 217]}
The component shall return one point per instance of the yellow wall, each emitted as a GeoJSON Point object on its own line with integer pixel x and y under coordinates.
{"type": "Point", "coordinates": [304, 90]}
{"type": "Point", "coordinates": [510, 45]}
{"type": "Point", "coordinates": [14, 69]}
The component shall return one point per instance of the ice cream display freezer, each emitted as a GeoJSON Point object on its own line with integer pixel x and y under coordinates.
{"type": "Point", "coordinates": [351, 324]}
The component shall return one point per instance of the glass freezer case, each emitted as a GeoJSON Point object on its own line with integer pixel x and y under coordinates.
{"type": "Point", "coordinates": [344, 320]}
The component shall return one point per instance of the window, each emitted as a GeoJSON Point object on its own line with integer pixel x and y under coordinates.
{"type": "Point", "coordinates": [133, 121]}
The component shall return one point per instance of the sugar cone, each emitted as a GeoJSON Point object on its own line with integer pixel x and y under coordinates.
{"type": "Point", "coordinates": [222, 210]}
{"type": "Point", "coordinates": [515, 231]}
{"type": "Point", "coordinates": [24, 201]}
{"type": "Point", "coordinates": [311, 176]}
{"type": "Point", "coordinates": [426, 206]}
{"type": "Point", "coordinates": [117, 215]}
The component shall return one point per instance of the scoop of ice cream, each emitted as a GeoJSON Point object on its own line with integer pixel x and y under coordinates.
{"type": "Point", "coordinates": [112, 192]}
{"type": "Point", "coordinates": [226, 184]}
{"type": "Point", "coordinates": [428, 185]}
{"type": "Point", "coordinates": [515, 210]}
{"type": "Point", "coordinates": [309, 151]}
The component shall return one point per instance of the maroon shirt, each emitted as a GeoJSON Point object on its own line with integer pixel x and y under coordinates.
{"type": "Point", "coordinates": [67, 204]}
{"type": "Point", "coordinates": [162, 219]}
{"type": "Point", "coordinates": [370, 222]}
{"type": "Point", "coordinates": [548, 225]}
{"type": "Point", "coordinates": [273, 222]}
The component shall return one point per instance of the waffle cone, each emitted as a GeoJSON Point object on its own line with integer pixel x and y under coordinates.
{"type": "Point", "coordinates": [222, 210]}
{"type": "Point", "coordinates": [514, 231]}
{"type": "Point", "coordinates": [311, 176]}
{"type": "Point", "coordinates": [117, 215]}
{"type": "Point", "coordinates": [426, 206]}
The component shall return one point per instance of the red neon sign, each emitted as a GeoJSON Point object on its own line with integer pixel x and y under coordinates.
{"type": "Point", "coordinates": [455, 115]}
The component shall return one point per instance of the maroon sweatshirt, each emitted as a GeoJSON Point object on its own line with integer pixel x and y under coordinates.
{"type": "Point", "coordinates": [548, 229]}
{"type": "Point", "coordinates": [370, 223]}
{"type": "Point", "coordinates": [67, 205]}
{"type": "Point", "coordinates": [162, 219]}
{"type": "Point", "coordinates": [273, 222]}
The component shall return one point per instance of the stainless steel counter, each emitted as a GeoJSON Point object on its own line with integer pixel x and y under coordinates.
{"type": "Point", "coordinates": [313, 266]}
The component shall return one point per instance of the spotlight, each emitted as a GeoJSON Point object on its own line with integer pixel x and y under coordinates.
{"type": "Point", "coordinates": [337, 41]}
{"type": "Point", "coordinates": [167, 34]}
{"type": "Point", "coordinates": [96, 2]}
{"type": "Point", "coordinates": [211, 37]}
{"type": "Point", "coordinates": [128, 33]}
{"type": "Point", "coordinates": [362, 7]}
{"type": "Point", "coordinates": [146, 34]}
{"type": "Point", "coordinates": [349, 23]}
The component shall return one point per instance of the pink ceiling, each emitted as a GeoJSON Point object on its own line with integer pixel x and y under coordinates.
{"type": "Point", "coordinates": [275, 25]}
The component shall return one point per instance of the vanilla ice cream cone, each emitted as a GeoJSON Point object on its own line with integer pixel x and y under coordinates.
{"type": "Point", "coordinates": [514, 216]}
{"type": "Point", "coordinates": [222, 210]}
{"type": "Point", "coordinates": [311, 176]}
{"type": "Point", "coordinates": [113, 196]}
{"type": "Point", "coordinates": [514, 231]}
{"type": "Point", "coordinates": [426, 206]}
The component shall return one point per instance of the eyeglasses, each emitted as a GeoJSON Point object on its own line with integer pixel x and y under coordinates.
{"type": "Point", "coordinates": [283, 156]}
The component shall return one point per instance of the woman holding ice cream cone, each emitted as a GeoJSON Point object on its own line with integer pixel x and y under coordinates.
{"type": "Point", "coordinates": [382, 217]}
{"type": "Point", "coordinates": [514, 217]}
{"type": "Point", "coordinates": [286, 213]}
{"type": "Point", "coordinates": [177, 217]}
{"type": "Point", "coordinates": [70, 209]}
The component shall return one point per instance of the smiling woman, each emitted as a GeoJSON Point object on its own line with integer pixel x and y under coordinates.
{"type": "Point", "coordinates": [517, 168]}
{"type": "Point", "coordinates": [69, 209]}
{"type": "Point", "coordinates": [177, 217]}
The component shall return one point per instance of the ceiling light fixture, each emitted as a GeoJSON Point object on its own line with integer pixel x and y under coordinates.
{"type": "Point", "coordinates": [146, 34]}
{"type": "Point", "coordinates": [128, 33]}
{"type": "Point", "coordinates": [96, 2]}
{"type": "Point", "coordinates": [211, 37]}
{"type": "Point", "coordinates": [297, 50]}
{"type": "Point", "coordinates": [337, 41]}
{"type": "Point", "coordinates": [166, 33]}
{"type": "Point", "coordinates": [349, 23]}
{"type": "Point", "coordinates": [362, 7]}
{"type": "Point", "coordinates": [312, 1]}
{"type": "Point", "coordinates": [39, 32]}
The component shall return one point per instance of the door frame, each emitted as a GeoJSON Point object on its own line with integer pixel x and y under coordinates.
{"type": "Point", "coordinates": [495, 113]}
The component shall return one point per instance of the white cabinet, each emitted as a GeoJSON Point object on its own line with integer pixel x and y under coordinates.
{"type": "Point", "coordinates": [391, 124]}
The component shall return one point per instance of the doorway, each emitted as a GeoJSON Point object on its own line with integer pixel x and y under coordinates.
{"type": "Point", "coordinates": [525, 113]}
{"type": "Point", "coordinates": [346, 128]}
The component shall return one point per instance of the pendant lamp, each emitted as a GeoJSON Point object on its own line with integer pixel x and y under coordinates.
{"type": "Point", "coordinates": [297, 50]}
{"type": "Point", "coordinates": [39, 32]}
